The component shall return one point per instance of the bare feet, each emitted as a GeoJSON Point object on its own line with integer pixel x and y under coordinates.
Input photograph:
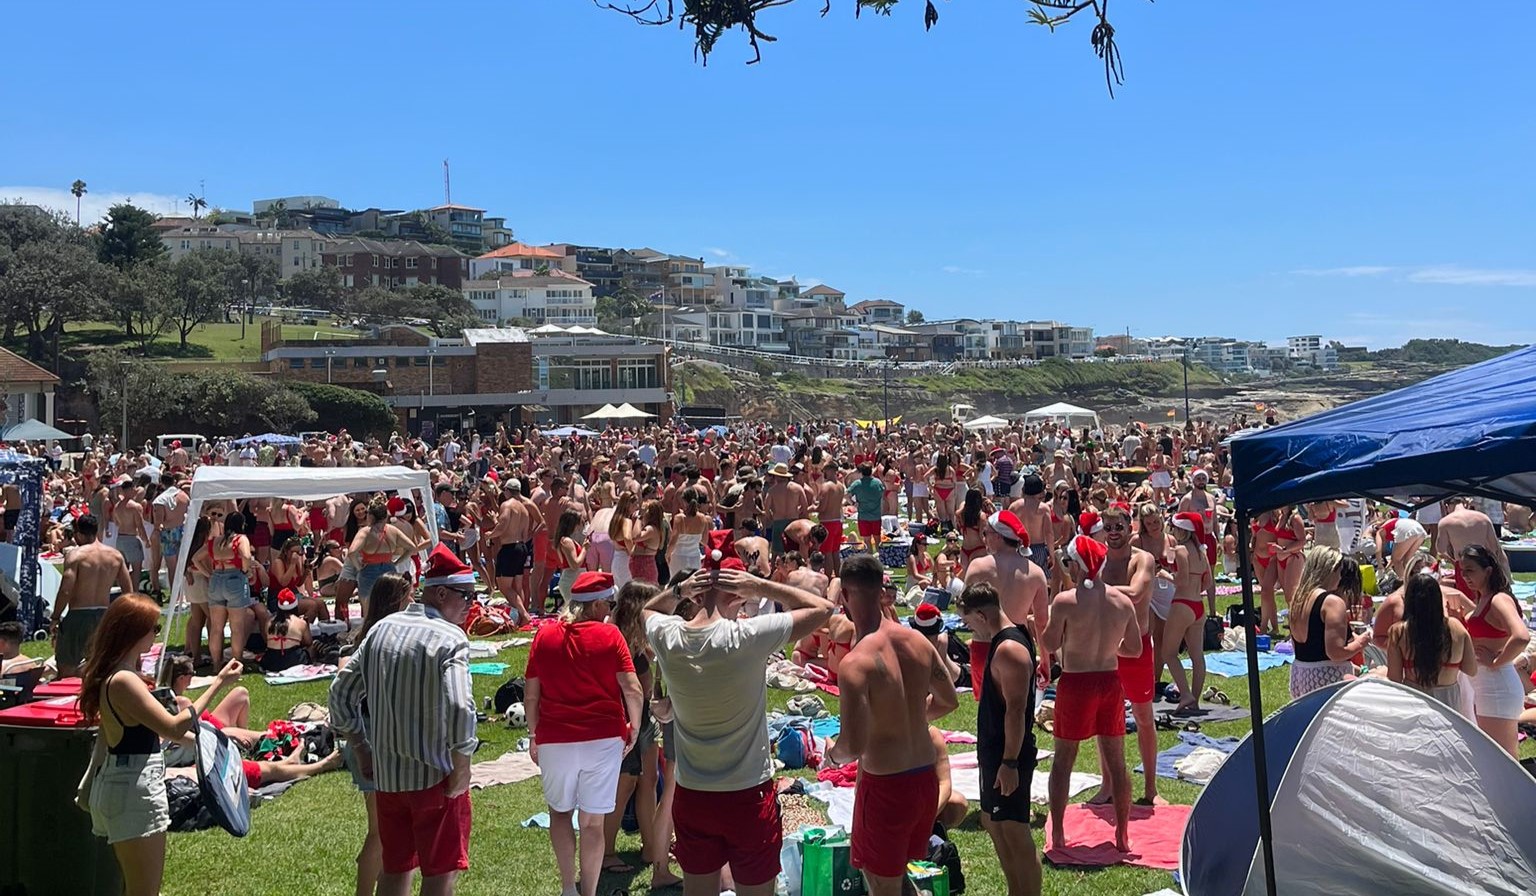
{"type": "Point", "coordinates": [663, 879]}
{"type": "Point", "coordinates": [1102, 798]}
{"type": "Point", "coordinates": [1058, 837]}
{"type": "Point", "coordinates": [1152, 800]}
{"type": "Point", "coordinates": [1123, 841]}
{"type": "Point", "coordinates": [330, 763]}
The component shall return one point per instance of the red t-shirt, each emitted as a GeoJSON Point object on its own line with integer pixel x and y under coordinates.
{"type": "Point", "coordinates": [577, 665]}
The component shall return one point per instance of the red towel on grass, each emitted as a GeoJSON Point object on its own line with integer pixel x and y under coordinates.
{"type": "Point", "coordinates": [1156, 835]}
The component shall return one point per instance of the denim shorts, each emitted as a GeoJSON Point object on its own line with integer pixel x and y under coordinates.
{"type": "Point", "coordinates": [128, 798]}
{"type": "Point", "coordinates": [369, 575]}
{"type": "Point", "coordinates": [349, 756]}
{"type": "Point", "coordinates": [229, 588]}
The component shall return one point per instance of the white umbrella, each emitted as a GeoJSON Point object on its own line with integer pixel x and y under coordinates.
{"type": "Point", "coordinates": [606, 412]}
{"type": "Point", "coordinates": [547, 328]}
{"type": "Point", "coordinates": [562, 432]}
{"type": "Point", "coordinates": [35, 430]}
{"type": "Point", "coordinates": [986, 422]}
{"type": "Point", "coordinates": [627, 411]}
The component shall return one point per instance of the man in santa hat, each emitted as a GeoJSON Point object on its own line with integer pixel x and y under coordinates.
{"type": "Point", "coordinates": [1132, 570]}
{"type": "Point", "coordinates": [726, 810]}
{"type": "Point", "coordinates": [1020, 584]}
{"type": "Point", "coordinates": [1091, 626]}
{"type": "Point", "coordinates": [418, 734]}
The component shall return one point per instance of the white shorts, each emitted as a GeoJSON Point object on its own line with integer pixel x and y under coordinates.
{"type": "Point", "coordinates": [919, 490]}
{"type": "Point", "coordinates": [1162, 596]}
{"type": "Point", "coordinates": [197, 589]}
{"type": "Point", "coordinates": [583, 775]}
{"type": "Point", "coordinates": [1498, 693]}
{"type": "Point", "coordinates": [1161, 479]}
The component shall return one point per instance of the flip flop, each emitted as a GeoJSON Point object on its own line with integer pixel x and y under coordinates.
{"type": "Point", "coordinates": [616, 865]}
{"type": "Point", "coordinates": [1214, 695]}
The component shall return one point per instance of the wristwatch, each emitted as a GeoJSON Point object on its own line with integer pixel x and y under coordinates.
{"type": "Point", "coordinates": [1011, 763]}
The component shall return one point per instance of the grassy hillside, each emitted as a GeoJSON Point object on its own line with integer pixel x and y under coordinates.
{"type": "Point", "coordinates": [1053, 378]}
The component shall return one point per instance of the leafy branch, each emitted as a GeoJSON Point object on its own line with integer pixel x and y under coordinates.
{"type": "Point", "coordinates": [711, 19]}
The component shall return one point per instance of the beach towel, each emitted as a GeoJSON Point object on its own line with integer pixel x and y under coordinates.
{"type": "Point", "coordinates": [487, 669]}
{"type": "Point", "coordinates": [541, 820]}
{"type": "Point", "coordinates": [1525, 591]}
{"type": "Point", "coordinates": [297, 674]}
{"type": "Point", "coordinates": [965, 776]}
{"type": "Point", "coordinates": [509, 768]}
{"type": "Point", "coordinates": [958, 737]}
{"type": "Point", "coordinates": [1206, 714]}
{"type": "Point", "coordinates": [1234, 663]}
{"type": "Point", "coordinates": [829, 688]}
{"type": "Point", "coordinates": [1156, 834]}
{"type": "Point", "coordinates": [1189, 741]}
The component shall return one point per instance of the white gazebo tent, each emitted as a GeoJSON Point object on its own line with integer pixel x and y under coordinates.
{"type": "Point", "coordinates": [302, 484]}
{"type": "Point", "coordinates": [606, 412]}
{"type": "Point", "coordinates": [985, 422]}
{"type": "Point", "coordinates": [1061, 412]}
{"type": "Point", "coordinates": [627, 411]}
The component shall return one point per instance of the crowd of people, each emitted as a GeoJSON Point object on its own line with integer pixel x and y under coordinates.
{"type": "Point", "coordinates": [665, 568]}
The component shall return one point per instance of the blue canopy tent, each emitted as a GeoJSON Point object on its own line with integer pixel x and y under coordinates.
{"type": "Point", "coordinates": [1468, 432]}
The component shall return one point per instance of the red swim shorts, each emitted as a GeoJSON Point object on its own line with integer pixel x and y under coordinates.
{"type": "Point", "coordinates": [869, 528]}
{"type": "Point", "coordinates": [1089, 704]}
{"type": "Point", "coordinates": [981, 651]}
{"type": "Point", "coordinates": [253, 774]}
{"type": "Point", "coordinates": [426, 829]}
{"type": "Point", "coordinates": [892, 820]}
{"type": "Point", "coordinates": [1136, 678]}
{"type": "Point", "coordinates": [834, 541]}
{"type": "Point", "coordinates": [543, 552]}
{"type": "Point", "coordinates": [740, 827]}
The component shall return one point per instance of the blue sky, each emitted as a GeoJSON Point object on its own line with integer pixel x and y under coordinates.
{"type": "Point", "coordinates": [1360, 170]}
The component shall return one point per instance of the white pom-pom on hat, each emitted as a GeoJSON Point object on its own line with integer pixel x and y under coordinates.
{"type": "Point", "coordinates": [715, 555]}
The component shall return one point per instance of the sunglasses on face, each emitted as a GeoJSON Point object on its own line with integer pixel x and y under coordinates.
{"type": "Point", "coordinates": [468, 594]}
{"type": "Point", "coordinates": [1116, 527]}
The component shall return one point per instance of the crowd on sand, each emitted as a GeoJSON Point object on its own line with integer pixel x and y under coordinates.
{"type": "Point", "coordinates": [662, 568]}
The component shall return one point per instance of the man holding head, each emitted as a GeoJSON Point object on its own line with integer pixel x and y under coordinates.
{"type": "Point", "coordinates": [1019, 582]}
{"type": "Point", "coordinates": [893, 684]}
{"type": "Point", "coordinates": [417, 735]}
{"type": "Point", "coordinates": [726, 810]}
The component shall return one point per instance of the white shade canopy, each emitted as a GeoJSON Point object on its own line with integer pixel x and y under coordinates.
{"type": "Point", "coordinates": [606, 412]}
{"type": "Point", "coordinates": [1062, 412]}
{"type": "Point", "coordinates": [627, 411]}
{"type": "Point", "coordinates": [986, 421]}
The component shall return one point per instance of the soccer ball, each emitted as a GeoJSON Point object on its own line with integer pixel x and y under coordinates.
{"type": "Point", "coordinates": [516, 717]}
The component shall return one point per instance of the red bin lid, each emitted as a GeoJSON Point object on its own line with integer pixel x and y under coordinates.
{"type": "Point", "coordinates": [57, 712]}
{"type": "Point", "coordinates": [63, 687]}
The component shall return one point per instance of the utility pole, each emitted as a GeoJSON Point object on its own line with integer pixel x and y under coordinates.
{"type": "Point", "coordinates": [1186, 385]}
{"type": "Point", "coordinates": [886, 426]}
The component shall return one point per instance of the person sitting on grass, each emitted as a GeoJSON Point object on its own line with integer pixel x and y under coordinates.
{"type": "Point", "coordinates": [288, 641]}
{"type": "Point", "coordinates": [232, 715]}
{"type": "Point", "coordinates": [10, 648]}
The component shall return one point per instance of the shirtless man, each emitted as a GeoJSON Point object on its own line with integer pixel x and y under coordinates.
{"type": "Point", "coordinates": [1020, 585]}
{"type": "Point", "coordinates": [1091, 626]}
{"type": "Point", "coordinates": [782, 501]}
{"type": "Point", "coordinates": [1005, 739]}
{"type": "Point", "coordinates": [1132, 570]}
{"type": "Point", "coordinates": [514, 526]}
{"type": "Point", "coordinates": [830, 498]}
{"type": "Point", "coordinates": [91, 570]}
{"type": "Point", "coordinates": [549, 505]}
{"type": "Point", "coordinates": [128, 514]}
{"type": "Point", "coordinates": [11, 492]}
{"type": "Point", "coordinates": [803, 536]}
{"type": "Point", "coordinates": [752, 547]}
{"type": "Point", "coordinates": [168, 513]}
{"type": "Point", "coordinates": [1463, 526]}
{"type": "Point", "coordinates": [1036, 517]}
{"type": "Point", "coordinates": [893, 684]}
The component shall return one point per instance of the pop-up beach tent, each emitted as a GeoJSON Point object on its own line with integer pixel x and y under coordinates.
{"type": "Point", "coordinates": [1468, 432]}
{"type": "Point", "coordinates": [1379, 788]}
{"type": "Point", "coordinates": [1061, 412]}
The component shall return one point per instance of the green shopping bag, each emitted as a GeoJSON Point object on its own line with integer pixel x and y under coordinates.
{"type": "Point", "coordinates": [826, 864]}
{"type": "Point", "coordinates": [929, 878]}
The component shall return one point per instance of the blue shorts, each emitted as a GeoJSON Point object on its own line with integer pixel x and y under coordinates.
{"type": "Point", "coordinates": [229, 588]}
{"type": "Point", "coordinates": [369, 575]}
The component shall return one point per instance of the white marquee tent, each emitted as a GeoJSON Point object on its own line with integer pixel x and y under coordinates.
{"type": "Point", "coordinates": [985, 422]}
{"type": "Point", "coordinates": [1061, 412]}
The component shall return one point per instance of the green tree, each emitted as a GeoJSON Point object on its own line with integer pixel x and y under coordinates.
{"type": "Point", "coordinates": [255, 276]}
{"type": "Point", "coordinates": [316, 288]}
{"type": "Point", "coordinates": [144, 301]}
{"type": "Point", "coordinates": [914, 316]}
{"type": "Point", "coordinates": [48, 283]}
{"type": "Point", "coordinates": [129, 238]}
{"type": "Point", "coordinates": [78, 190]}
{"type": "Point", "coordinates": [622, 308]}
{"type": "Point", "coordinates": [711, 19]}
{"type": "Point", "coordinates": [148, 390]}
{"type": "Point", "coordinates": [378, 305]}
{"type": "Point", "coordinates": [202, 284]}
{"type": "Point", "coordinates": [360, 413]}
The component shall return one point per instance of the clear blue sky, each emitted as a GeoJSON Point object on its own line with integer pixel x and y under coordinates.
{"type": "Point", "coordinates": [1361, 170]}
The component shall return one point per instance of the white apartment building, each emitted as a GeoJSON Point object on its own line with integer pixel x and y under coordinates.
{"type": "Point", "coordinates": [553, 298]}
{"type": "Point", "coordinates": [880, 311]}
{"type": "Point", "coordinates": [737, 287]}
{"type": "Point", "coordinates": [761, 330]}
{"type": "Point", "coordinates": [291, 250]}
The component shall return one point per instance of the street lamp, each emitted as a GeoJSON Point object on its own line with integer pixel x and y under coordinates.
{"type": "Point", "coordinates": [1186, 385]}
{"type": "Point", "coordinates": [431, 362]}
{"type": "Point", "coordinates": [329, 354]}
{"type": "Point", "coordinates": [245, 287]}
{"type": "Point", "coordinates": [889, 363]}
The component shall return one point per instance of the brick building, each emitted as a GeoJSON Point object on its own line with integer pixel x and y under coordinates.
{"type": "Point", "coordinates": [490, 375]}
{"type": "Point", "coordinates": [396, 263]}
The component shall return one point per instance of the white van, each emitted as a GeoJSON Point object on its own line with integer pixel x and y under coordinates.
{"type": "Point", "coordinates": [190, 441]}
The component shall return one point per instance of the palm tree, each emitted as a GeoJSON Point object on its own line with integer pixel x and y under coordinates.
{"type": "Point", "coordinates": [197, 202]}
{"type": "Point", "coordinates": [77, 188]}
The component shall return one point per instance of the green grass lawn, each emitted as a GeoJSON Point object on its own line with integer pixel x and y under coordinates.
{"type": "Point", "coordinates": [214, 341]}
{"type": "Point", "coordinates": [304, 842]}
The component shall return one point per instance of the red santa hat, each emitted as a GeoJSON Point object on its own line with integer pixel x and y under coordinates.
{"type": "Point", "coordinates": [719, 549]}
{"type": "Point", "coordinates": [1088, 554]}
{"type": "Point", "coordinates": [396, 505]}
{"type": "Point", "coordinates": [1006, 524]}
{"type": "Point", "coordinates": [927, 619]}
{"type": "Point", "coordinates": [287, 600]}
{"type": "Point", "coordinates": [443, 568]}
{"type": "Point", "coordinates": [592, 586]}
{"type": "Point", "coordinates": [1090, 523]}
{"type": "Point", "coordinates": [1191, 522]}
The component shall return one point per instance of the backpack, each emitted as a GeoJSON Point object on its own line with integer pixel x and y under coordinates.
{"type": "Point", "coordinates": [487, 620]}
{"type": "Point", "coordinates": [797, 747]}
{"type": "Point", "coordinates": [1213, 632]}
{"type": "Point", "coordinates": [946, 855]}
{"type": "Point", "coordinates": [509, 693]}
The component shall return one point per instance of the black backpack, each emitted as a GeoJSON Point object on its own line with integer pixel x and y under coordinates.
{"type": "Point", "coordinates": [947, 856]}
{"type": "Point", "coordinates": [508, 694]}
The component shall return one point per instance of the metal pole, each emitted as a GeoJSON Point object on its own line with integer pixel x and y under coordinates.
{"type": "Point", "coordinates": [1255, 704]}
{"type": "Point", "coordinates": [887, 424]}
{"type": "Point", "coordinates": [1186, 384]}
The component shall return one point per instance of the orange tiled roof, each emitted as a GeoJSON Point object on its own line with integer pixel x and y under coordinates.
{"type": "Point", "coordinates": [522, 250]}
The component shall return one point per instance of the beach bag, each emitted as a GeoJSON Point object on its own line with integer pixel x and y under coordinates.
{"type": "Point", "coordinates": [796, 747]}
{"type": "Point", "coordinates": [826, 864]}
{"type": "Point", "coordinates": [221, 781]}
{"type": "Point", "coordinates": [946, 855]}
{"type": "Point", "coordinates": [509, 693]}
{"type": "Point", "coordinates": [930, 879]}
{"type": "Point", "coordinates": [1213, 632]}
{"type": "Point", "coordinates": [487, 620]}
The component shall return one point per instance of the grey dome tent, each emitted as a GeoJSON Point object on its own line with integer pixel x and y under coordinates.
{"type": "Point", "coordinates": [1378, 788]}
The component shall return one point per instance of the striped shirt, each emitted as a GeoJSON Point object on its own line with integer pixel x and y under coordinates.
{"type": "Point", "coordinates": [413, 671]}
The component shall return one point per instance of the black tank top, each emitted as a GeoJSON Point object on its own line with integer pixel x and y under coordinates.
{"type": "Point", "coordinates": [992, 710]}
{"type": "Point", "coordinates": [137, 740]}
{"type": "Point", "coordinates": [1314, 649]}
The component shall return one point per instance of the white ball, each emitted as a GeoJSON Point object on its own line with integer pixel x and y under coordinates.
{"type": "Point", "coordinates": [517, 717]}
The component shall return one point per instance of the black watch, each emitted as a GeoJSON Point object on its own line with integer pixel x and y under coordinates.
{"type": "Point", "coordinates": [1011, 763]}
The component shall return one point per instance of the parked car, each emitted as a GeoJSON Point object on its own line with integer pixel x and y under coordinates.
{"type": "Point", "coordinates": [192, 442]}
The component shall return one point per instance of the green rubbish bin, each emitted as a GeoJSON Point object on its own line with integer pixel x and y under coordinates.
{"type": "Point", "coordinates": [46, 844]}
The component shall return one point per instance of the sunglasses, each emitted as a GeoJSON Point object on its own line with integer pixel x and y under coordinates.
{"type": "Point", "coordinates": [468, 594]}
{"type": "Point", "coordinates": [1116, 527]}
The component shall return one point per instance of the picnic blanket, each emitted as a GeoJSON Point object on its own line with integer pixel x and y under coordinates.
{"type": "Point", "coordinates": [297, 674]}
{"type": "Point", "coordinates": [1156, 835]}
{"type": "Point", "coordinates": [1234, 663]}
{"type": "Point", "coordinates": [510, 768]}
{"type": "Point", "coordinates": [480, 650]}
{"type": "Point", "coordinates": [1207, 713]}
{"type": "Point", "coordinates": [966, 778]}
{"type": "Point", "coordinates": [487, 669]}
{"type": "Point", "coordinates": [1189, 741]}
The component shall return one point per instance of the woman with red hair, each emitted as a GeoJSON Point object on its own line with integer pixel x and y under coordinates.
{"type": "Point", "coordinates": [127, 799]}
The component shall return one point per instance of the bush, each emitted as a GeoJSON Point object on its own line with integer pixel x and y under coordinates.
{"type": "Point", "coordinates": [338, 407]}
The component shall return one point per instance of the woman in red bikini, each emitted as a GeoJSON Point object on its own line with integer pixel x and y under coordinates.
{"type": "Point", "coordinates": [1185, 625]}
{"type": "Point", "coordinates": [1278, 538]}
{"type": "Point", "coordinates": [971, 517]}
{"type": "Point", "coordinates": [288, 570]}
{"type": "Point", "coordinates": [942, 484]}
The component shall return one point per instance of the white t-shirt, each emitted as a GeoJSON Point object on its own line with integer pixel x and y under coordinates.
{"type": "Point", "coordinates": [450, 451]}
{"type": "Point", "coordinates": [647, 454]}
{"type": "Point", "coordinates": [781, 454]}
{"type": "Point", "coordinates": [719, 699]}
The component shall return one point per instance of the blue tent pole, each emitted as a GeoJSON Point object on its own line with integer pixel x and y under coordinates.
{"type": "Point", "coordinates": [1255, 702]}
